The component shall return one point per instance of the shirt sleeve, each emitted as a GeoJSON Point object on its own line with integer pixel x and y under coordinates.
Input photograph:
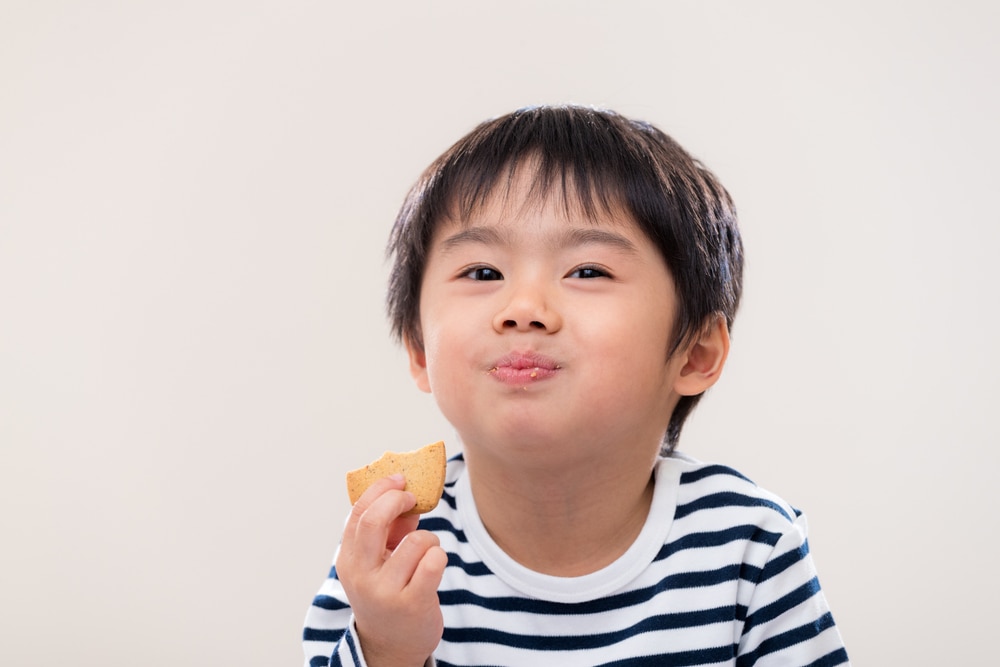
{"type": "Point", "coordinates": [788, 621]}
{"type": "Point", "coordinates": [329, 637]}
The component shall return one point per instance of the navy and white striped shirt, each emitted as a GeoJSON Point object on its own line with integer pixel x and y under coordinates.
{"type": "Point", "coordinates": [719, 575]}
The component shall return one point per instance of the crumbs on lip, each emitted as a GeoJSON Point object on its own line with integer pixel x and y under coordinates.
{"type": "Point", "coordinates": [534, 372]}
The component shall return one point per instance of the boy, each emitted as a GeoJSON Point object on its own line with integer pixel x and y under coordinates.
{"type": "Point", "coordinates": [564, 281]}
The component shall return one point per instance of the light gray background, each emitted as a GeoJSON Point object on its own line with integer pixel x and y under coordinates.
{"type": "Point", "coordinates": [194, 199]}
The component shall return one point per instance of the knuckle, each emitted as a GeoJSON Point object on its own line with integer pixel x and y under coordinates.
{"type": "Point", "coordinates": [421, 541]}
{"type": "Point", "coordinates": [368, 521]}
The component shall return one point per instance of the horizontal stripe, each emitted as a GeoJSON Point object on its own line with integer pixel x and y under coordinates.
{"type": "Point", "coordinates": [329, 603]}
{"type": "Point", "coordinates": [786, 602]}
{"type": "Point", "coordinates": [710, 471]}
{"type": "Point", "coordinates": [787, 639]}
{"type": "Point", "coordinates": [677, 621]}
{"type": "Point", "coordinates": [601, 605]}
{"type": "Point", "coordinates": [707, 656]}
{"type": "Point", "coordinates": [781, 563]}
{"type": "Point", "coordinates": [440, 525]}
{"type": "Point", "coordinates": [717, 538]}
{"type": "Point", "coordinates": [473, 569]}
{"type": "Point", "coordinates": [831, 659]}
{"type": "Point", "coordinates": [728, 499]}
{"type": "Point", "coordinates": [318, 635]}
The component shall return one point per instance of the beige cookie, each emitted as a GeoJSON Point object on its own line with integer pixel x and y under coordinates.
{"type": "Point", "coordinates": [423, 469]}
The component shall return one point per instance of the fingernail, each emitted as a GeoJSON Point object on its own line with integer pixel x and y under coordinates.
{"type": "Point", "coordinates": [396, 477]}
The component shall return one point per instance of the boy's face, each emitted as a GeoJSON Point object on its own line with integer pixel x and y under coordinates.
{"type": "Point", "coordinates": [545, 333]}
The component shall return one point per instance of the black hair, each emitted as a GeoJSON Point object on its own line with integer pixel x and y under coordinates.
{"type": "Point", "coordinates": [606, 161]}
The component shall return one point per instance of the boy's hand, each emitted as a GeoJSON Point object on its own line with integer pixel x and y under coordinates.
{"type": "Point", "coordinates": [390, 572]}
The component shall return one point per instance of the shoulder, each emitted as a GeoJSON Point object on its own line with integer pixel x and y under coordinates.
{"type": "Point", "coordinates": [711, 496]}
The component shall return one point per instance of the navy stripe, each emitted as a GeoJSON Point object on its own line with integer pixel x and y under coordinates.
{"type": "Point", "coordinates": [789, 601]}
{"type": "Point", "coordinates": [675, 621]}
{"type": "Point", "coordinates": [708, 471]}
{"type": "Point", "coordinates": [319, 661]}
{"type": "Point", "coordinates": [701, 578]}
{"type": "Point", "coordinates": [317, 635]}
{"type": "Point", "coordinates": [708, 656]}
{"type": "Point", "coordinates": [716, 538]}
{"type": "Point", "coordinates": [437, 524]}
{"type": "Point", "coordinates": [449, 499]}
{"type": "Point", "coordinates": [786, 639]}
{"type": "Point", "coordinates": [727, 499]}
{"type": "Point", "coordinates": [622, 600]}
{"type": "Point", "coordinates": [750, 572]}
{"type": "Point", "coordinates": [838, 657]}
{"type": "Point", "coordinates": [330, 603]}
{"type": "Point", "coordinates": [785, 561]}
{"type": "Point", "coordinates": [473, 569]}
{"type": "Point", "coordinates": [349, 638]}
{"type": "Point", "coordinates": [705, 656]}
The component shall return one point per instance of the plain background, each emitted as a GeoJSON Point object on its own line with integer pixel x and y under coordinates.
{"type": "Point", "coordinates": [194, 201]}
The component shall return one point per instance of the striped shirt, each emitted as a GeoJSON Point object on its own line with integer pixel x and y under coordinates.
{"type": "Point", "coordinates": [719, 575]}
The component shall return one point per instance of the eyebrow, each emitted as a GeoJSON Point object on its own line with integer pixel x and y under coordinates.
{"type": "Point", "coordinates": [482, 235]}
{"type": "Point", "coordinates": [597, 236]}
{"type": "Point", "coordinates": [571, 238]}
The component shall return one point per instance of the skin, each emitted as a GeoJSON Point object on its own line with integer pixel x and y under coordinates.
{"type": "Point", "coordinates": [390, 573]}
{"type": "Point", "coordinates": [544, 341]}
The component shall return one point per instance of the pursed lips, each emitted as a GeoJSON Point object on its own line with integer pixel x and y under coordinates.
{"type": "Point", "coordinates": [521, 368]}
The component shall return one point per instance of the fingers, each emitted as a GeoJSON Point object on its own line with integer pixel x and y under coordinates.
{"type": "Point", "coordinates": [390, 572]}
{"type": "Point", "coordinates": [380, 540]}
{"type": "Point", "coordinates": [400, 528]}
{"type": "Point", "coordinates": [367, 533]}
{"type": "Point", "coordinates": [405, 567]}
{"type": "Point", "coordinates": [429, 572]}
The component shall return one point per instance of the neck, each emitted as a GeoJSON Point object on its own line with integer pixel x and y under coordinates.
{"type": "Point", "coordinates": [566, 522]}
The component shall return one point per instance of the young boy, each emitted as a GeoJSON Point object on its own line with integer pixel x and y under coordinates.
{"type": "Point", "coordinates": [564, 282]}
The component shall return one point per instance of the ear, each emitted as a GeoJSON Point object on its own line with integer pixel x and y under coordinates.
{"type": "Point", "coordinates": [418, 364]}
{"type": "Point", "coordinates": [703, 359]}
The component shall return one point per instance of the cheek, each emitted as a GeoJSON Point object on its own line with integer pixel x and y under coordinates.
{"type": "Point", "coordinates": [639, 365]}
{"type": "Point", "coordinates": [443, 359]}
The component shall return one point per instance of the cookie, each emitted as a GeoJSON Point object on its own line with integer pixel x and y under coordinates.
{"type": "Point", "coordinates": [423, 469]}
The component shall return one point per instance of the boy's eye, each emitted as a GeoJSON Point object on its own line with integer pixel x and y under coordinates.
{"type": "Point", "coordinates": [589, 272]}
{"type": "Point", "coordinates": [483, 273]}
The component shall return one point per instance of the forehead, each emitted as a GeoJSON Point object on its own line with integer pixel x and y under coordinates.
{"type": "Point", "coordinates": [524, 193]}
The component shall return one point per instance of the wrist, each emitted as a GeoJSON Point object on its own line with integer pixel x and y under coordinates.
{"type": "Point", "coordinates": [374, 652]}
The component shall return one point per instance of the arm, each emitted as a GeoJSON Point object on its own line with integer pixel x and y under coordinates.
{"type": "Point", "coordinates": [379, 608]}
{"type": "Point", "coordinates": [788, 621]}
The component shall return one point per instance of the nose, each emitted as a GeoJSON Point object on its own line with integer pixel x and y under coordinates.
{"type": "Point", "coordinates": [527, 307]}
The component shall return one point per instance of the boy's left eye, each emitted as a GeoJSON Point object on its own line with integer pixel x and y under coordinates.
{"type": "Point", "coordinates": [588, 272]}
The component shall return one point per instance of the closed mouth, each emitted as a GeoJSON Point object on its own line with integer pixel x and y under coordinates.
{"type": "Point", "coordinates": [522, 368]}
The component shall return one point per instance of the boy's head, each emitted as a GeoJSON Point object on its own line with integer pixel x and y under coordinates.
{"type": "Point", "coordinates": [606, 162]}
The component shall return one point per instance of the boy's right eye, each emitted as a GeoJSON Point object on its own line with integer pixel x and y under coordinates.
{"type": "Point", "coordinates": [483, 273]}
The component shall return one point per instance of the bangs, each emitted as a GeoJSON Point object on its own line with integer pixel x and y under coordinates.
{"type": "Point", "coordinates": [581, 156]}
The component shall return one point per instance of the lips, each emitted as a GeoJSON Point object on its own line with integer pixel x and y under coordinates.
{"type": "Point", "coordinates": [523, 368]}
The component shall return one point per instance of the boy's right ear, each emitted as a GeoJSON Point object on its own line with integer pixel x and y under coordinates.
{"type": "Point", "coordinates": [418, 364]}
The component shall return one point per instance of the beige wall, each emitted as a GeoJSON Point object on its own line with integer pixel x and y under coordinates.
{"type": "Point", "coordinates": [194, 198]}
